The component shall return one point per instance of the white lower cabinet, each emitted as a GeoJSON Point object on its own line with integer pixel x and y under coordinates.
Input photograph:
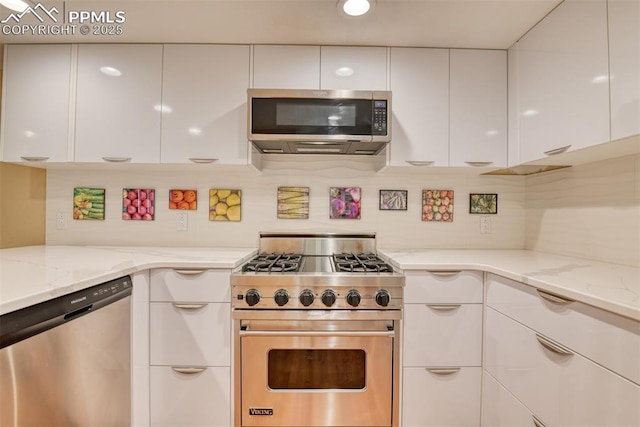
{"type": "Point", "coordinates": [190, 397]}
{"type": "Point", "coordinates": [441, 397]}
{"type": "Point", "coordinates": [190, 348]}
{"type": "Point", "coordinates": [559, 386]}
{"type": "Point", "coordinates": [501, 408]}
{"type": "Point", "coordinates": [442, 349]}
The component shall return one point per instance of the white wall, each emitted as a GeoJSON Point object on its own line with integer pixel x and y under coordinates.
{"type": "Point", "coordinates": [395, 229]}
{"type": "Point", "coordinates": [589, 211]}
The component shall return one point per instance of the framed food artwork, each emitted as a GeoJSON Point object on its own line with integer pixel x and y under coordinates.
{"type": "Point", "coordinates": [437, 205]}
{"type": "Point", "coordinates": [183, 199]}
{"type": "Point", "coordinates": [293, 202]}
{"type": "Point", "coordinates": [138, 204]}
{"type": "Point", "coordinates": [483, 203]}
{"type": "Point", "coordinates": [393, 200]}
{"type": "Point", "coordinates": [344, 203]}
{"type": "Point", "coordinates": [88, 203]}
{"type": "Point", "coordinates": [224, 205]}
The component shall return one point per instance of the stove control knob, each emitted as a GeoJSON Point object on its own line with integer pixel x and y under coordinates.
{"type": "Point", "coordinates": [281, 297]}
{"type": "Point", "coordinates": [328, 297]}
{"type": "Point", "coordinates": [353, 298]}
{"type": "Point", "coordinates": [306, 297]}
{"type": "Point", "coordinates": [252, 297]}
{"type": "Point", "coordinates": [383, 298]}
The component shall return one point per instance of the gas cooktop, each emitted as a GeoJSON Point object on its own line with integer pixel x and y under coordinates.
{"type": "Point", "coordinates": [336, 263]}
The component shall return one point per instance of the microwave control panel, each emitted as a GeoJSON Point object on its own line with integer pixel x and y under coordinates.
{"type": "Point", "coordinates": [379, 117]}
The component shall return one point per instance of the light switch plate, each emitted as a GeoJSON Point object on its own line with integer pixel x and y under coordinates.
{"type": "Point", "coordinates": [181, 222]}
{"type": "Point", "coordinates": [485, 225]}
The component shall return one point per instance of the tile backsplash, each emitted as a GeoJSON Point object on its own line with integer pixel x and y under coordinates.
{"type": "Point", "coordinates": [394, 228]}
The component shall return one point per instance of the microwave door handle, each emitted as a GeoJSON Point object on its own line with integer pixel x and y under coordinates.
{"type": "Point", "coordinates": [248, 333]}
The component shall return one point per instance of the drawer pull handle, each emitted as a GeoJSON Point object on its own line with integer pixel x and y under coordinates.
{"type": "Point", "coordinates": [189, 272]}
{"type": "Point", "coordinates": [553, 346]}
{"type": "Point", "coordinates": [183, 306]}
{"type": "Point", "coordinates": [443, 371]}
{"type": "Point", "coordinates": [479, 164]}
{"type": "Point", "coordinates": [202, 159]}
{"type": "Point", "coordinates": [187, 370]}
{"type": "Point", "coordinates": [537, 422]}
{"type": "Point", "coordinates": [420, 163]}
{"type": "Point", "coordinates": [557, 150]}
{"type": "Point", "coordinates": [444, 307]}
{"type": "Point", "coordinates": [34, 159]}
{"type": "Point", "coordinates": [553, 298]}
{"type": "Point", "coordinates": [116, 159]}
{"type": "Point", "coordinates": [445, 273]}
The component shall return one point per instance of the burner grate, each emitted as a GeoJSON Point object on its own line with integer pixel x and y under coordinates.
{"type": "Point", "coordinates": [276, 263]}
{"type": "Point", "coordinates": [360, 263]}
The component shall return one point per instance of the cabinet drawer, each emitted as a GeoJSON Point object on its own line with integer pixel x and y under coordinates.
{"type": "Point", "coordinates": [442, 335]}
{"type": "Point", "coordinates": [190, 336]}
{"type": "Point", "coordinates": [192, 399]}
{"type": "Point", "coordinates": [610, 340]}
{"type": "Point", "coordinates": [563, 390]}
{"type": "Point", "coordinates": [500, 408]}
{"type": "Point", "coordinates": [432, 399]}
{"type": "Point", "coordinates": [443, 286]}
{"type": "Point", "coordinates": [189, 285]}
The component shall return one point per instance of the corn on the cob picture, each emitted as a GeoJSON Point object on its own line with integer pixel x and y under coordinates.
{"type": "Point", "coordinates": [88, 203]}
{"type": "Point", "coordinates": [293, 202]}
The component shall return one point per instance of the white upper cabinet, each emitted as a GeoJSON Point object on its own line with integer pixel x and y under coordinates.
{"type": "Point", "coordinates": [118, 105]}
{"type": "Point", "coordinates": [624, 59]}
{"type": "Point", "coordinates": [478, 121]}
{"type": "Point", "coordinates": [563, 85]}
{"type": "Point", "coordinates": [353, 68]}
{"type": "Point", "coordinates": [419, 80]}
{"type": "Point", "coordinates": [36, 103]}
{"type": "Point", "coordinates": [286, 67]}
{"type": "Point", "coordinates": [204, 91]}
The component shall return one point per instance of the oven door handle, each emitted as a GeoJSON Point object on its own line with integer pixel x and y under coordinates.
{"type": "Point", "coordinates": [390, 333]}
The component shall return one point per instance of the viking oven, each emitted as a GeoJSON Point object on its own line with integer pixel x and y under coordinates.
{"type": "Point", "coordinates": [317, 330]}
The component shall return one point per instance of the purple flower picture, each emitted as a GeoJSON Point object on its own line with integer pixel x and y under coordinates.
{"type": "Point", "coordinates": [344, 203]}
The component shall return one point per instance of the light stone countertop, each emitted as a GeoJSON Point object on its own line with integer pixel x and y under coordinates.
{"type": "Point", "coordinates": [34, 274]}
{"type": "Point", "coordinates": [611, 287]}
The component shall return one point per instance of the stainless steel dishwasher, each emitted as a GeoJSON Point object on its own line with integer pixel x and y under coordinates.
{"type": "Point", "coordinates": [66, 362]}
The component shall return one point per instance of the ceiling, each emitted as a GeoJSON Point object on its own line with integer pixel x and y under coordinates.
{"type": "Point", "coordinates": [488, 24]}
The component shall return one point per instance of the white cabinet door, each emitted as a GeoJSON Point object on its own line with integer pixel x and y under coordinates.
{"type": "Point", "coordinates": [205, 86]}
{"type": "Point", "coordinates": [190, 334]}
{"type": "Point", "coordinates": [442, 335]}
{"type": "Point", "coordinates": [286, 67]}
{"type": "Point", "coordinates": [193, 285]}
{"type": "Point", "coordinates": [184, 397]}
{"type": "Point", "coordinates": [441, 398]}
{"type": "Point", "coordinates": [500, 408]}
{"type": "Point", "coordinates": [353, 68]}
{"type": "Point", "coordinates": [563, 87]}
{"type": "Point", "coordinates": [478, 124]}
{"type": "Point", "coordinates": [624, 59]}
{"type": "Point", "coordinates": [36, 103]}
{"type": "Point", "coordinates": [419, 80]}
{"type": "Point", "coordinates": [118, 103]}
{"type": "Point", "coordinates": [443, 287]}
{"type": "Point", "coordinates": [561, 389]}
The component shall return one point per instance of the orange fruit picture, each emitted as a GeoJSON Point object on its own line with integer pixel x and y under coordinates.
{"type": "Point", "coordinates": [183, 199]}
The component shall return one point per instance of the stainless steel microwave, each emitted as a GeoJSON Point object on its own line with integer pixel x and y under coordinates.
{"type": "Point", "coordinates": [319, 121]}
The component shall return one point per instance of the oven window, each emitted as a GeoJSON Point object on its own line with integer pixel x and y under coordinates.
{"type": "Point", "coordinates": [316, 369]}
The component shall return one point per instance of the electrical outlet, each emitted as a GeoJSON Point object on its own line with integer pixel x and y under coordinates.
{"type": "Point", "coordinates": [181, 222]}
{"type": "Point", "coordinates": [485, 225]}
{"type": "Point", "coordinates": [61, 221]}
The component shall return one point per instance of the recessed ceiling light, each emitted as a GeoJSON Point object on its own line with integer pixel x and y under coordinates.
{"type": "Point", "coordinates": [161, 108]}
{"type": "Point", "coordinates": [17, 5]}
{"type": "Point", "coordinates": [355, 7]}
{"type": "Point", "coordinates": [600, 79]}
{"type": "Point", "coordinates": [530, 113]}
{"type": "Point", "coordinates": [111, 71]}
{"type": "Point", "coordinates": [195, 130]}
{"type": "Point", "coordinates": [344, 71]}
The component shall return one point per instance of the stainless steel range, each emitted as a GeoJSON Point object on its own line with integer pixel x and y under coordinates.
{"type": "Point", "coordinates": [317, 333]}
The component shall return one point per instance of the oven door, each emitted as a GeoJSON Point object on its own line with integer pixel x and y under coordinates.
{"type": "Point", "coordinates": [318, 377]}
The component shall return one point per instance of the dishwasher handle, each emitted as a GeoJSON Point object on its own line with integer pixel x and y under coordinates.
{"type": "Point", "coordinates": [79, 312]}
